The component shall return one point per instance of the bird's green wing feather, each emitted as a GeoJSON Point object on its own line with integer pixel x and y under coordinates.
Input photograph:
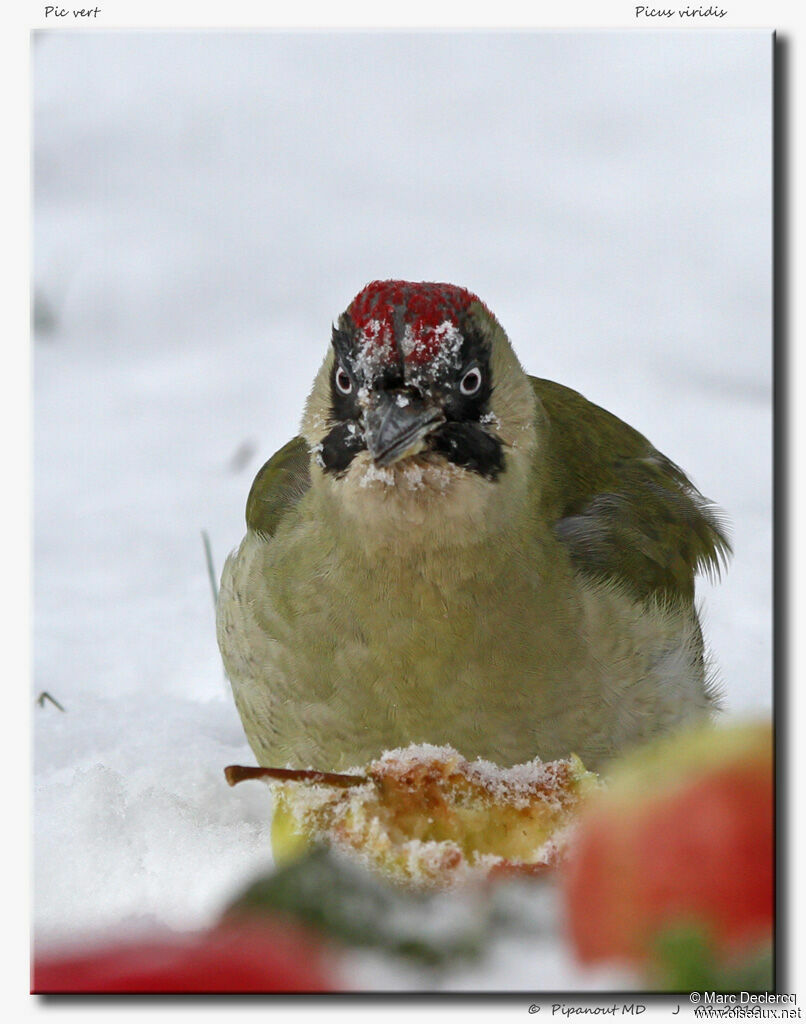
{"type": "Point", "coordinates": [278, 487]}
{"type": "Point", "coordinates": [624, 511]}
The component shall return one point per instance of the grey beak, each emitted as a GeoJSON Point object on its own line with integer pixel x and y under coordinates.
{"type": "Point", "coordinates": [397, 425]}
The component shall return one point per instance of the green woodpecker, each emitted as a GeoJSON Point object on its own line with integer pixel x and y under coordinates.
{"type": "Point", "coordinates": [453, 552]}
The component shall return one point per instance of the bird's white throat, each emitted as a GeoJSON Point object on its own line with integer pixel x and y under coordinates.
{"type": "Point", "coordinates": [422, 502]}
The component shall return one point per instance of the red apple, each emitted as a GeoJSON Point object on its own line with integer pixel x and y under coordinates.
{"type": "Point", "coordinates": [236, 957]}
{"type": "Point", "coordinates": [682, 837]}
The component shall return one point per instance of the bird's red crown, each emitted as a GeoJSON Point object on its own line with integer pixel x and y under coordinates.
{"type": "Point", "coordinates": [413, 318]}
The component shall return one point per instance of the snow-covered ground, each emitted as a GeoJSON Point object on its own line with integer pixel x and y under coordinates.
{"type": "Point", "coordinates": [205, 205]}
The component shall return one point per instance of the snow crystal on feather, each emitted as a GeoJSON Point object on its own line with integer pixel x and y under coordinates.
{"type": "Point", "coordinates": [413, 474]}
{"type": "Point", "coordinates": [375, 349]}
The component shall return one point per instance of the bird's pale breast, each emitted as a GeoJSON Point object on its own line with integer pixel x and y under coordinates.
{"type": "Point", "coordinates": [335, 657]}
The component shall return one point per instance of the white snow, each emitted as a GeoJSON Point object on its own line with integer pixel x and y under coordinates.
{"type": "Point", "coordinates": [433, 349]}
{"type": "Point", "coordinates": [206, 204]}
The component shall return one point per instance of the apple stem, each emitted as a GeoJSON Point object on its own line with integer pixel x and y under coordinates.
{"type": "Point", "coordinates": [236, 773]}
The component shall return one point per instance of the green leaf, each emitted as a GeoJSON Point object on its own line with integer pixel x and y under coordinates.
{"type": "Point", "coordinates": [686, 960]}
{"type": "Point", "coordinates": [349, 904]}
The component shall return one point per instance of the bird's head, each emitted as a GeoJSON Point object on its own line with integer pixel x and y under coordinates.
{"type": "Point", "coordinates": [421, 401]}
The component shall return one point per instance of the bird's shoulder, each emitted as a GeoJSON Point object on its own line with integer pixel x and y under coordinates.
{"type": "Point", "coordinates": [278, 487]}
{"type": "Point", "coordinates": [623, 510]}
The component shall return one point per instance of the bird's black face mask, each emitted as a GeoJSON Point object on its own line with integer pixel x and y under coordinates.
{"type": "Point", "coordinates": [411, 375]}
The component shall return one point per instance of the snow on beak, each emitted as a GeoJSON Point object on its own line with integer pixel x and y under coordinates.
{"type": "Point", "coordinates": [397, 425]}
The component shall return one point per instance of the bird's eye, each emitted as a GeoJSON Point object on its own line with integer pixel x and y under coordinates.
{"type": "Point", "coordinates": [343, 381]}
{"type": "Point", "coordinates": [471, 382]}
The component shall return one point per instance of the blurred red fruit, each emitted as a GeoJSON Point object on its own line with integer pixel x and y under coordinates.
{"type": "Point", "coordinates": [682, 837]}
{"type": "Point", "coordinates": [242, 957]}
